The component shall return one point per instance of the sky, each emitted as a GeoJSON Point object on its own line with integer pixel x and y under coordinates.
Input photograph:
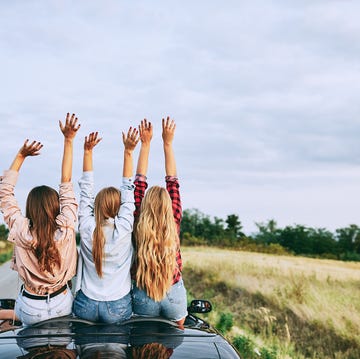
{"type": "Point", "coordinates": [265, 95]}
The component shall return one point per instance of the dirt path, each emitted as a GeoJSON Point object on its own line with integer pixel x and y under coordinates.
{"type": "Point", "coordinates": [9, 282]}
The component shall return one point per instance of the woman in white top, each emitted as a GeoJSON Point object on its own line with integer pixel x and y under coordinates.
{"type": "Point", "coordinates": [106, 251]}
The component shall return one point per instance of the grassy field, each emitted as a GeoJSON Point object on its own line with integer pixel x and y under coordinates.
{"type": "Point", "coordinates": [6, 251]}
{"type": "Point", "coordinates": [292, 307]}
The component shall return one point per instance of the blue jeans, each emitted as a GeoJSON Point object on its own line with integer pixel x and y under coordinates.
{"type": "Point", "coordinates": [31, 311]}
{"type": "Point", "coordinates": [112, 311]}
{"type": "Point", "coordinates": [172, 307]}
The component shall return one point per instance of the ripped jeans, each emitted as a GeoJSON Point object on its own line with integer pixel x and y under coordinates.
{"type": "Point", "coordinates": [113, 311]}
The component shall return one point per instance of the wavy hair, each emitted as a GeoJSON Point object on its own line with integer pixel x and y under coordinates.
{"type": "Point", "coordinates": [107, 205]}
{"type": "Point", "coordinates": [151, 350]}
{"type": "Point", "coordinates": [42, 208]}
{"type": "Point", "coordinates": [155, 236]}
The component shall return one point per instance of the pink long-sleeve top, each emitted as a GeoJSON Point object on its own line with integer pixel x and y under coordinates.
{"type": "Point", "coordinates": [24, 260]}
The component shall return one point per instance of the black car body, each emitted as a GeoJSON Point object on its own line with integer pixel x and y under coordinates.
{"type": "Point", "coordinates": [139, 337]}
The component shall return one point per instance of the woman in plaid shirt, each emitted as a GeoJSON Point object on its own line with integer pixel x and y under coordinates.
{"type": "Point", "coordinates": [158, 288]}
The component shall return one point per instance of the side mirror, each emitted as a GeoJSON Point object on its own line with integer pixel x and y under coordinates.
{"type": "Point", "coordinates": [7, 303]}
{"type": "Point", "coordinates": [199, 306]}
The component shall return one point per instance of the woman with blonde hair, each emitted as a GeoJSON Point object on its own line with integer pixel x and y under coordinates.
{"type": "Point", "coordinates": [158, 288]}
{"type": "Point", "coordinates": [106, 251]}
{"type": "Point", "coordinates": [45, 253]}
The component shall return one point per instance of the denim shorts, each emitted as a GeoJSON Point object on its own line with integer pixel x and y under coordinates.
{"type": "Point", "coordinates": [113, 311]}
{"type": "Point", "coordinates": [31, 311]}
{"type": "Point", "coordinates": [172, 307]}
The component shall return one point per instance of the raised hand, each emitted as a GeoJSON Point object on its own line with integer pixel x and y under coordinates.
{"type": "Point", "coordinates": [70, 128]}
{"type": "Point", "coordinates": [26, 150]}
{"type": "Point", "coordinates": [31, 149]}
{"type": "Point", "coordinates": [91, 141]}
{"type": "Point", "coordinates": [168, 130]}
{"type": "Point", "coordinates": [69, 131]}
{"type": "Point", "coordinates": [131, 139]}
{"type": "Point", "coordinates": [145, 131]}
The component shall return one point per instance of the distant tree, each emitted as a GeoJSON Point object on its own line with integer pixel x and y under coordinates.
{"type": "Point", "coordinates": [296, 239]}
{"type": "Point", "coordinates": [348, 239]}
{"type": "Point", "coordinates": [234, 226]}
{"type": "Point", "coordinates": [268, 232]}
{"type": "Point", "coordinates": [3, 232]}
{"type": "Point", "coordinates": [201, 226]}
{"type": "Point", "coordinates": [190, 221]}
{"type": "Point", "coordinates": [323, 241]}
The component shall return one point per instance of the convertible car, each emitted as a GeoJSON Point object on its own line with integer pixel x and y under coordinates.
{"type": "Point", "coordinates": [139, 337]}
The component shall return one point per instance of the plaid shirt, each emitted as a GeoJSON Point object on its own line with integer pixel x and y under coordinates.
{"type": "Point", "coordinates": [172, 186]}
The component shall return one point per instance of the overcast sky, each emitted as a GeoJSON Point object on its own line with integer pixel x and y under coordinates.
{"type": "Point", "coordinates": [265, 95]}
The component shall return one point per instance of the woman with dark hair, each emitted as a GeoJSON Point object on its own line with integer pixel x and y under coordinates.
{"type": "Point", "coordinates": [45, 252]}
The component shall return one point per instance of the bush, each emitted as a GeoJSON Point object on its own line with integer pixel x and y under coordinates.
{"type": "Point", "coordinates": [245, 347]}
{"type": "Point", "coordinates": [350, 256]}
{"type": "Point", "coordinates": [4, 257]}
{"type": "Point", "coordinates": [225, 323]}
{"type": "Point", "coordinates": [268, 353]}
{"type": "Point", "coordinates": [189, 240]}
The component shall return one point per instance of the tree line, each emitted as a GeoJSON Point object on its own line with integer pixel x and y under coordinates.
{"type": "Point", "coordinates": [198, 228]}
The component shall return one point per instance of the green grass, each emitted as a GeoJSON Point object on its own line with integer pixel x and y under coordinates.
{"type": "Point", "coordinates": [6, 251]}
{"type": "Point", "coordinates": [280, 307]}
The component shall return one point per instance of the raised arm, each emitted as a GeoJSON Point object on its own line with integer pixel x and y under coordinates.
{"type": "Point", "coordinates": [168, 132]}
{"type": "Point", "coordinates": [17, 223]}
{"type": "Point", "coordinates": [90, 142]}
{"type": "Point", "coordinates": [26, 150]}
{"type": "Point", "coordinates": [130, 141]}
{"type": "Point", "coordinates": [69, 130]}
{"type": "Point", "coordinates": [146, 133]}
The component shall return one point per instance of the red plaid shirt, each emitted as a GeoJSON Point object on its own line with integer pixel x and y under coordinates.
{"type": "Point", "coordinates": [172, 186]}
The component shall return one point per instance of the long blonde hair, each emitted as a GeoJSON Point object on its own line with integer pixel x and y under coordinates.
{"type": "Point", "coordinates": [42, 208]}
{"type": "Point", "coordinates": [107, 204]}
{"type": "Point", "coordinates": [155, 235]}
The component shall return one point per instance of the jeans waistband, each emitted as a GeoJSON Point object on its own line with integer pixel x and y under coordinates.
{"type": "Point", "coordinates": [42, 297]}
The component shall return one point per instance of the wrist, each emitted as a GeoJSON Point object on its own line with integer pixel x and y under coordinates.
{"type": "Point", "coordinates": [128, 152]}
{"type": "Point", "coordinates": [68, 140]}
{"type": "Point", "coordinates": [20, 156]}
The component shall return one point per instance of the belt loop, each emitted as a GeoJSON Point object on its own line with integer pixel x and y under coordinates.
{"type": "Point", "coordinates": [48, 298]}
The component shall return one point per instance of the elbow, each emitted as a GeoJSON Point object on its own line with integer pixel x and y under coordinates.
{"type": "Point", "coordinates": [65, 179]}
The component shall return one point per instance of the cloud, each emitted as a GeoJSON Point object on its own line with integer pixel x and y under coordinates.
{"type": "Point", "coordinates": [264, 94]}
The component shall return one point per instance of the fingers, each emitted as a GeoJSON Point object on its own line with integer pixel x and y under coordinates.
{"type": "Point", "coordinates": [145, 125]}
{"type": "Point", "coordinates": [71, 123]}
{"type": "Point", "coordinates": [92, 140]}
{"type": "Point", "coordinates": [33, 145]}
{"type": "Point", "coordinates": [31, 149]}
{"type": "Point", "coordinates": [132, 137]}
{"type": "Point", "coordinates": [133, 132]}
{"type": "Point", "coordinates": [168, 124]}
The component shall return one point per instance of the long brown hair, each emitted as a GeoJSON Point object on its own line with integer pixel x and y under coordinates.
{"type": "Point", "coordinates": [151, 350]}
{"type": "Point", "coordinates": [42, 208]}
{"type": "Point", "coordinates": [155, 235]}
{"type": "Point", "coordinates": [107, 204]}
